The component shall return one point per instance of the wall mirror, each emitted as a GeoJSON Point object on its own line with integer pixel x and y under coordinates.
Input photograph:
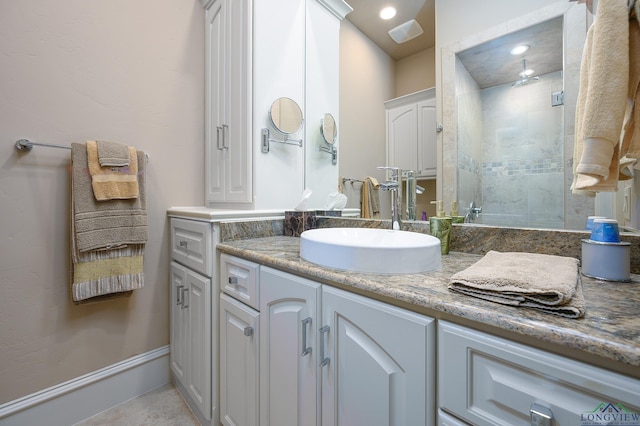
{"type": "Point", "coordinates": [328, 129]}
{"type": "Point", "coordinates": [511, 137]}
{"type": "Point", "coordinates": [329, 132]}
{"type": "Point", "coordinates": [285, 116]}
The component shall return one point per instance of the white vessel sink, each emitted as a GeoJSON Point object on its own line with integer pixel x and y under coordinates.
{"type": "Point", "coordinates": [380, 251]}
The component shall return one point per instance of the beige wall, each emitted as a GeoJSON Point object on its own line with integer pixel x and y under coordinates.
{"type": "Point", "coordinates": [367, 79]}
{"type": "Point", "coordinates": [129, 71]}
{"type": "Point", "coordinates": [416, 72]}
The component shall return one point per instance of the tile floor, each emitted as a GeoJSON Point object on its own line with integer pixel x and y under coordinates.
{"type": "Point", "coordinates": [161, 407]}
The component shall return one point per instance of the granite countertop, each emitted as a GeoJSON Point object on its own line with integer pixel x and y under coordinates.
{"type": "Point", "coordinates": [609, 332]}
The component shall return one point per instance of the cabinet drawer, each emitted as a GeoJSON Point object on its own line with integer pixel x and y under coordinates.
{"type": "Point", "coordinates": [487, 380]}
{"type": "Point", "coordinates": [192, 245]}
{"type": "Point", "coordinates": [239, 279]}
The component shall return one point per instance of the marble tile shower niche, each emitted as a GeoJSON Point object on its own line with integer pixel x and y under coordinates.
{"type": "Point", "coordinates": [510, 152]}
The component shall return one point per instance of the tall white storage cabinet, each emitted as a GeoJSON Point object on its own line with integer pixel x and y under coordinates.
{"type": "Point", "coordinates": [411, 133]}
{"type": "Point", "coordinates": [228, 101]}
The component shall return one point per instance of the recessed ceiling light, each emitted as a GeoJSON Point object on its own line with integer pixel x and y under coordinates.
{"type": "Point", "coordinates": [518, 50]}
{"type": "Point", "coordinates": [388, 13]}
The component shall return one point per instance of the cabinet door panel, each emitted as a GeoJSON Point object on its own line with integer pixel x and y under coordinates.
{"type": "Point", "coordinates": [427, 149]}
{"type": "Point", "coordinates": [288, 382]}
{"type": "Point", "coordinates": [381, 363]}
{"type": "Point", "coordinates": [402, 134]}
{"type": "Point", "coordinates": [179, 322]}
{"type": "Point", "coordinates": [215, 96]}
{"type": "Point", "coordinates": [239, 335]}
{"type": "Point", "coordinates": [238, 102]}
{"type": "Point", "coordinates": [198, 305]}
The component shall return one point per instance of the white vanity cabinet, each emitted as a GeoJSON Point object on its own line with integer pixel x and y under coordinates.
{"type": "Point", "coordinates": [228, 73]}
{"type": "Point", "coordinates": [487, 380]}
{"type": "Point", "coordinates": [411, 133]}
{"type": "Point", "coordinates": [326, 356]}
{"type": "Point", "coordinates": [193, 327]}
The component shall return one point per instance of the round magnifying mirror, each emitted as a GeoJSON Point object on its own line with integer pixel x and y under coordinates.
{"type": "Point", "coordinates": [328, 129]}
{"type": "Point", "coordinates": [286, 116]}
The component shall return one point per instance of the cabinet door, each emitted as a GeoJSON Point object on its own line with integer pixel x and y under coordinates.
{"type": "Point", "coordinates": [179, 322]}
{"type": "Point", "coordinates": [380, 363]}
{"type": "Point", "coordinates": [427, 149]}
{"type": "Point", "coordinates": [215, 96]}
{"type": "Point", "coordinates": [402, 137]}
{"type": "Point", "coordinates": [197, 303]}
{"type": "Point", "coordinates": [228, 101]}
{"type": "Point", "coordinates": [288, 368]}
{"type": "Point", "coordinates": [238, 102]}
{"type": "Point", "coordinates": [238, 363]}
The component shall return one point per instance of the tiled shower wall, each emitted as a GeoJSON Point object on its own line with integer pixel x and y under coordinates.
{"type": "Point", "coordinates": [517, 176]}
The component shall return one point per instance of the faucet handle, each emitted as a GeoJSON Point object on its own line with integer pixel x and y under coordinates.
{"type": "Point", "coordinates": [395, 171]}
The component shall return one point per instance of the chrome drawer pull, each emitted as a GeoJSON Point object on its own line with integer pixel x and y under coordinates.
{"type": "Point", "coordinates": [305, 349]}
{"type": "Point", "coordinates": [540, 416]}
{"type": "Point", "coordinates": [248, 331]}
{"type": "Point", "coordinates": [179, 295]}
{"type": "Point", "coordinates": [325, 361]}
{"type": "Point", "coordinates": [183, 243]}
{"type": "Point", "coordinates": [185, 291]}
{"type": "Point", "coordinates": [233, 280]}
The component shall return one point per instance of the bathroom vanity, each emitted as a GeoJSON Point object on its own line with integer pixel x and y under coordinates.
{"type": "Point", "coordinates": [402, 347]}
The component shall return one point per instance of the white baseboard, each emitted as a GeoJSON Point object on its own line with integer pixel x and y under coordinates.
{"type": "Point", "coordinates": [85, 396]}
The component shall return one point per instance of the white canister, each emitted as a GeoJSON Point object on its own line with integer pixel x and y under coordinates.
{"type": "Point", "coordinates": [606, 261]}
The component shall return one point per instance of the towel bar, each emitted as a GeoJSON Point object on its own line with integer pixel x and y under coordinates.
{"type": "Point", "coordinates": [27, 145]}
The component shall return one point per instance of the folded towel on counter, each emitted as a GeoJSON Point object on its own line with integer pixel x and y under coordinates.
{"type": "Point", "coordinates": [602, 99]}
{"type": "Point", "coordinates": [112, 183]}
{"type": "Point", "coordinates": [113, 154]}
{"type": "Point", "coordinates": [370, 198]}
{"type": "Point", "coordinates": [544, 282]}
{"type": "Point", "coordinates": [105, 224]}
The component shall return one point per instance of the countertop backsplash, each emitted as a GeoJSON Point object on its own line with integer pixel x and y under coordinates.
{"type": "Point", "coordinates": [471, 239]}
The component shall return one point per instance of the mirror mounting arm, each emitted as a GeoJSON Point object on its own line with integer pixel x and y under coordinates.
{"type": "Point", "coordinates": [331, 150]}
{"type": "Point", "coordinates": [266, 140]}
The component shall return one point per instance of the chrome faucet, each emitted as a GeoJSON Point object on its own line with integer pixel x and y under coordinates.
{"type": "Point", "coordinates": [473, 213]}
{"type": "Point", "coordinates": [393, 185]}
{"type": "Point", "coordinates": [412, 189]}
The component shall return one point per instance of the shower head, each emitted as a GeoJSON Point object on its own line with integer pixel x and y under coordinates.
{"type": "Point", "coordinates": [524, 76]}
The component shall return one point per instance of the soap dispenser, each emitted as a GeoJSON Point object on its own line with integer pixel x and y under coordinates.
{"type": "Point", "coordinates": [455, 216]}
{"type": "Point", "coordinates": [440, 227]}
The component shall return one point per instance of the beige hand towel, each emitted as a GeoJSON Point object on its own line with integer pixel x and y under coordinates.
{"type": "Point", "coordinates": [105, 224]}
{"type": "Point", "coordinates": [370, 198]}
{"type": "Point", "coordinates": [602, 99]}
{"type": "Point", "coordinates": [113, 154]}
{"type": "Point", "coordinates": [112, 183]}
{"type": "Point", "coordinates": [545, 282]}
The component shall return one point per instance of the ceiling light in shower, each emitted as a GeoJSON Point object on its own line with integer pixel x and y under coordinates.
{"type": "Point", "coordinates": [525, 76]}
{"type": "Point", "coordinates": [519, 50]}
{"type": "Point", "coordinates": [388, 13]}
